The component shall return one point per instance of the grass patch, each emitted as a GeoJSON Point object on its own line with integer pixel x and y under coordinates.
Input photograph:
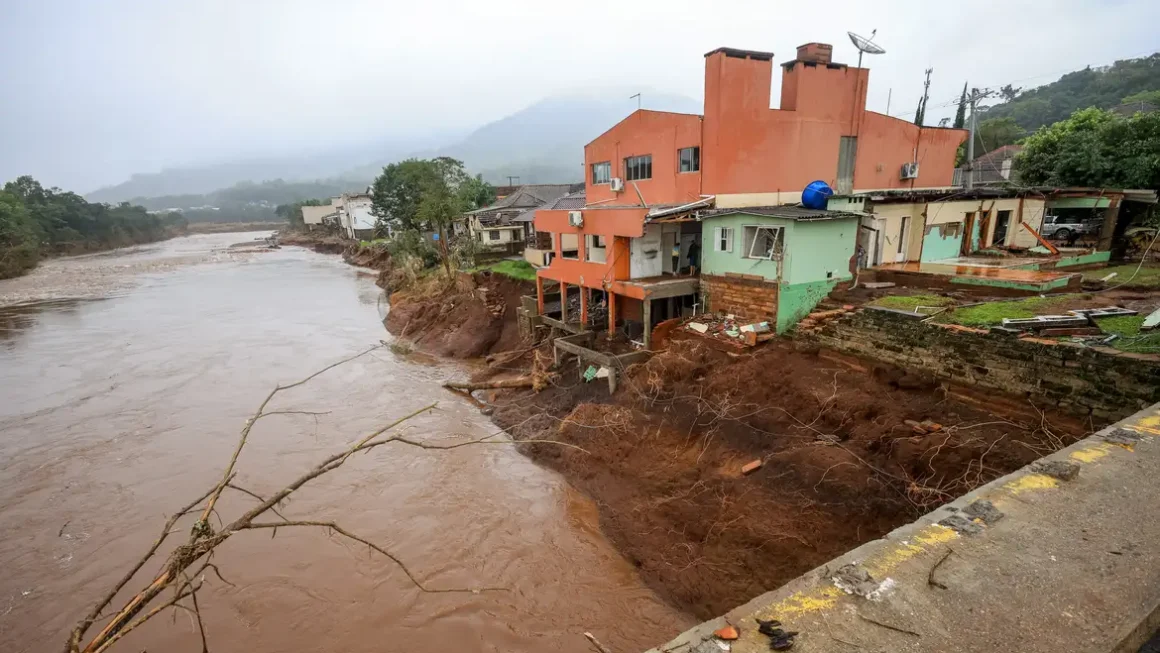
{"type": "Point", "coordinates": [1131, 339]}
{"type": "Point", "coordinates": [1148, 277]}
{"type": "Point", "coordinates": [993, 313]}
{"type": "Point", "coordinates": [911, 302]}
{"type": "Point", "coordinates": [521, 270]}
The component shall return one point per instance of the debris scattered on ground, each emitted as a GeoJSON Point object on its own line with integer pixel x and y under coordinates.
{"type": "Point", "coordinates": [728, 633]}
{"type": "Point", "coordinates": [962, 525]}
{"type": "Point", "coordinates": [779, 639]}
{"type": "Point", "coordinates": [1152, 321]}
{"type": "Point", "coordinates": [751, 466]}
{"type": "Point", "coordinates": [852, 579]}
{"type": "Point", "coordinates": [698, 327]}
{"type": "Point", "coordinates": [924, 427]}
{"type": "Point", "coordinates": [878, 285]}
{"type": "Point", "coordinates": [984, 510]}
{"type": "Point", "coordinates": [1064, 470]}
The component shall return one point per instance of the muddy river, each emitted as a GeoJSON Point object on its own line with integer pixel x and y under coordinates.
{"type": "Point", "coordinates": [124, 379]}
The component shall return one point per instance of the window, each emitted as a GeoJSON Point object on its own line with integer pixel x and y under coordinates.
{"type": "Point", "coordinates": [601, 172]}
{"type": "Point", "coordinates": [722, 239]}
{"type": "Point", "coordinates": [763, 243]}
{"type": "Point", "coordinates": [570, 246]}
{"type": "Point", "coordinates": [594, 249]}
{"type": "Point", "coordinates": [638, 167]}
{"type": "Point", "coordinates": [690, 159]}
{"type": "Point", "coordinates": [494, 235]}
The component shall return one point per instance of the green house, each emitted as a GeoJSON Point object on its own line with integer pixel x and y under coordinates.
{"type": "Point", "coordinates": [774, 263]}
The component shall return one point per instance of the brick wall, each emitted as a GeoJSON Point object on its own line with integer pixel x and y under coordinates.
{"type": "Point", "coordinates": [1078, 380]}
{"type": "Point", "coordinates": [746, 296]}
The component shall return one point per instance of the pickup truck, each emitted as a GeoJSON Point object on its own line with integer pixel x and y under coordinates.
{"type": "Point", "coordinates": [1058, 227]}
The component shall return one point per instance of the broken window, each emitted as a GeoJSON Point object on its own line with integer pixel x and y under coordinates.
{"type": "Point", "coordinates": [493, 235]}
{"type": "Point", "coordinates": [690, 159]}
{"type": "Point", "coordinates": [722, 239]}
{"type": "Point", "coordinates": [764, 243]}
{"type": "Point", "coordinates": [601, 172]}
{"type": "Point", "coordinates": [638, 167]}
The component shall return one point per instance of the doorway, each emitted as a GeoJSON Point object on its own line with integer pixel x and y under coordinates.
{"type": "Point", "coordinates": [1002, 225]}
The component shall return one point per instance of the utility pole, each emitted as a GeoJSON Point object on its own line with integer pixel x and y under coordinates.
{"type": "Point", "coordinates": [510, 178]}
{"type": "Point", "coordinates": [973, 100]}
{"type": "Point", "coordinates": [920, 116]}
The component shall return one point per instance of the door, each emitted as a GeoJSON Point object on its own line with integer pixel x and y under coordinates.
{"type": "Point", "coordinates": [903, 239]}
{"type": "Point", "coordinates": [669, 245]}
{"type": "Point", "coordinates": [847, 154]}
{"type": "Point", "coordinates": [969, 230]}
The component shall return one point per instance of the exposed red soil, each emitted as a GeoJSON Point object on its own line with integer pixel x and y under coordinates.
{"type": "Point", "coordinates": [663, 457]}
{"type": "Point", "coordinates": [473, 317]}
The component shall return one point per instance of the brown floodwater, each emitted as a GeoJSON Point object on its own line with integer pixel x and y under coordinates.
{"type": "Point", "coordinates": [124, 380]}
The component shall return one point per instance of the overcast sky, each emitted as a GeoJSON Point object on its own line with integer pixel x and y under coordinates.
{"type": "Point", "coordinates": [95, 90]}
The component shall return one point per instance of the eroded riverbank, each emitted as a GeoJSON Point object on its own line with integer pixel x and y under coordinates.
{"type": "Point", "coordinates": [119, 410]}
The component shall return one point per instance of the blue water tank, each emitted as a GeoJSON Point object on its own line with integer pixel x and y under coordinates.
{"type": "Point", "coordinates": [816, 195]}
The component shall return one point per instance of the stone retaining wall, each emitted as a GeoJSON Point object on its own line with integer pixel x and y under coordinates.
{"type": "Point", "coordinates": [1080, 380]}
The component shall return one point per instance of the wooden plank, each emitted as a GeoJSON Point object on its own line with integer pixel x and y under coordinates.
{"type": "Point", "coordinates": [1051, 248]}
{"type": "Point", "coordinates": [1152, 321]}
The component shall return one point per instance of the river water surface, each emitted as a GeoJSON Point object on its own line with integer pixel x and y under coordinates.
{"type": "Point", "coordinates": [124, 380]}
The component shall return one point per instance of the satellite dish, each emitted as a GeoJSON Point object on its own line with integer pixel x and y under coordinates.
{"type": "Point", "coordinates": [865, 45]}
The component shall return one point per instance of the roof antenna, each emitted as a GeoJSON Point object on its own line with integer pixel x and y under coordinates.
{"type": "Point", "coordinates": [865, 45]}
{"type": "Point", "coordinates": [637, 96]}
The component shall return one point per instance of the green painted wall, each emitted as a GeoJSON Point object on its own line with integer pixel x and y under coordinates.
{"type": "Point", "coordinates": [817, 257]}
{"type": "Point", "coordinates": [1086, 259]}
{"type": "Point", "coordinates": [1078, 203]}
{"type": "Point", "coordinates": [936, 246]}
{"type": "Point", "coordinates": [795, 301]}
{"type": "Point", "coordinates": [812, 249]}
{"type": "Point", "coordinates": [1016, 285]}
{"type": "Point", "coordinates": [821, 250]}
{"type": "Point", "coordinates": [714, 262]}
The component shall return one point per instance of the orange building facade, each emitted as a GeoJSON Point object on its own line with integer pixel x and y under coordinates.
{"type": "Point", "coordinates": [739, 153]}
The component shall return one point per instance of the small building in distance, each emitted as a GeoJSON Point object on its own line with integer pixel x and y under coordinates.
{"type": "Point", "coordinates": [774, 263]}
{"type": "Point", "coordinates": [494, 227]}
{"type": "Point", "coordinates": [356, 218]}
{"type": "Point", "coordinates": [316, 216]}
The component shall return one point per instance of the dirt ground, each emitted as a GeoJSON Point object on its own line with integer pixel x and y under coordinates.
{"type": "Point", "coordinates": [472, 317]}
{"type": "Point", "coordinates": [841, 466]}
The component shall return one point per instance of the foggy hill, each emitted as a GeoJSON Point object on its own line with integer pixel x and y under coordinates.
{"type": "Point", "coordinates": [542, 143]}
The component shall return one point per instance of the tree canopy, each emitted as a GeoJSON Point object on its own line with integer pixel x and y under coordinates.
{"type": "Point", "coordinates": [35, 221]}
{"type": "Point", "coordinates": [1095, 148]}
{"type": "Point", "coordinates": [1091, 87]}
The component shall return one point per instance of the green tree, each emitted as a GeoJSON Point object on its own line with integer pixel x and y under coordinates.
{"type": "Point", "coordinates": [395, 194]}
{"type": "Point", "coordinates": [995, 133]}
{"type": "Point", "coordinates": [1094, 148]}
{"type": "Point", "coordinates": [1143, 97]}
{"type": "Point", "coordinates": [477, 193]}
{"type": "Point", "coordinates": [1009, 92]}
{"type": "Point", "coordinates": [961, 114]}
{"type": "Point", "coordinates": [443, 200]}
{"type": "Point", "coordinates": [19, 248]}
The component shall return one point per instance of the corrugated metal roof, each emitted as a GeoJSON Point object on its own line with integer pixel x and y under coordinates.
{"type": "Point", "coordinates": [785, 212]}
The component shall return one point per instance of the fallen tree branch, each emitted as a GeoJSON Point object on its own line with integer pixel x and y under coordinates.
{"type": "Point", "coordinates": [521, 382]}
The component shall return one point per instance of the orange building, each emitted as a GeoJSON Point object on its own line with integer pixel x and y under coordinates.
{"type": "Point", "coordinates": [646, 174]}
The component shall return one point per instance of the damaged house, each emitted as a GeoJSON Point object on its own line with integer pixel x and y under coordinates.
{"type": "Point", "coordinates": [775, 263]}
{"type": "Point", "coordinates": [496, 228]}
{"type": "Point", "coordinates": [635, 246]}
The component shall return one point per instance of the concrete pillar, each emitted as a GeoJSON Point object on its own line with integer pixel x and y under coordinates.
{"type": "Point", "coordinates": [611, 314]}
{"type": "Point", "coordinates": [647, 322]}
{"type": "Point", "coordinates": [611, 380]}
{"type": "Point", "coordinates": [583, 308]}
{"type": "Point", "coordinates": [539, 295]}
{"type": "Point", "coordinates": [564, 302]}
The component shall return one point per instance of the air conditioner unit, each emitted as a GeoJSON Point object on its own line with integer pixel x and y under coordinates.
{"type": "Point", "coordinates": [909, 171]}
{"type": "Point", "coordinates": [616, 184]}
{"type": "Point", "coordinates": [576, 218]}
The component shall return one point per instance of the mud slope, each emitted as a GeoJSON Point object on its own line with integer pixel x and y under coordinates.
{"type": "Point", "coordinates": [473, 317]}
{"type": "Point", "coordinates": [841, 465]}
